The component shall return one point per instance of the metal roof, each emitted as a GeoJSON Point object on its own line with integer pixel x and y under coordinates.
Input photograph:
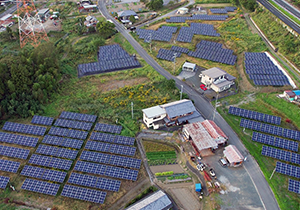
{"type": "Point", "coordinates": [156, 201]}
{"type": "Point", "coordinates": [214, 72]}
{"type": "Point", "coordinates": [195, 117]}
{"type": "Point", "coordinates": [154, 111]}
{"type": "Point", "coordinates": [213, 129]}
{"type": "Point", "coordinates": [232, 154]}
{"type": "Point", "coordinates": [179, 108]}
{"type": "Point", "coordinates": [43, 11]}
{"type": "Point", "coordinates": [222, 84]}
{"type": "Point", "coordinates": [189, 65]}
{"type": "Point", "coordinates": [126, 13]}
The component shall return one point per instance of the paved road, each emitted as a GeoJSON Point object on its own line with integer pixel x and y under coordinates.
{"type": "Point", "coordinates": [206, 109]}
{"type": "Point", "coordinates": [288, 7]}
{"type": "Point", "coordinates": [278, 14]}
{"type": "Point", "coordinates": [9, 11]}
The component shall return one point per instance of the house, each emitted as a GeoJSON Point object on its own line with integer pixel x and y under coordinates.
{"type": "Point", "coordinates": [204, 135]}
{"type": "Point", "coordinates": [44, 14]}
{"type": "Point", "coordinates": [90, 21]}
{"type": "Point", "coordinates": [217, 79]}
{"type": "Point", "coordinates": [189, 66]}
{"type": "Point", "coordinates": [6, 23]}
{"type": "Point", "coordinates": [125, 15]}
{"type": "Point", "coordinates": [182, 11]}
{"type": "Point", "coordinates": [156, 201]}
{"type": "Point", "coordinates": [289, 95]}
{"type": "Point", "coordinates": [174, 113]}
{"type": "Point", "coordinates": [233, 156]}
{"type": "Point", "coordinates": [6, 17]}
{"type": "Point", "coordinates": [88, 8]}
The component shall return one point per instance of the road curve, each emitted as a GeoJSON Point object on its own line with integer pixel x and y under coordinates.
{"type": "Point", "coordinates": [206, 109]}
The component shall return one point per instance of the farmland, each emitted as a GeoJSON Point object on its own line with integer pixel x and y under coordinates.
{"type": "Point", "coordinates": [161, 158]}
{"type": "Point", "coordinates": [156, 147]}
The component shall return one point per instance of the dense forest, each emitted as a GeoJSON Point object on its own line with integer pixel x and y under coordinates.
{"type": "Point", "coordinates": [28, 79]}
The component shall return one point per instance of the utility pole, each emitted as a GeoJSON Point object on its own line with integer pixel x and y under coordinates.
{"type": "Point", "coordinates": [175, 55]}
{"type": "Point", "coordinates": [132, 110]}
{"type": "Point", "coordinates": [150, 39]}
{"type": "Point", "coordinates": [215, 106]}
{"type": "Point", "coordinates": [181, 92]}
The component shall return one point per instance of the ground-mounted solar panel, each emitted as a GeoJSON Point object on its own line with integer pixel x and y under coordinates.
{"type": "Point", "coordinates": [180, 49]}
{"type": "Point", "coordinates": [288, 169]}
{"type": "Point", "coordinates": [85, 194]}
{"type": "Point", "coordinates": [57, 152]}
{"type": "Point", "coordinates": [281, 154]}
{"type": "Point", "coordinates": [111, 148]}
{"type": "Point", "coordinates": [78, 116]}
{"type": "Point", "coordinates": [218, 11]}
{"type": "Point", "coordinates": [24, 128]}
{"type": "Point", "coordinates": [95, 182]}
{"type": "Point", "coordinates": [42, 120]}
{"type": "Point", "coordinates": [45, 174]}
{"type": "Point", "coordinates": [294, 186]}
{"type": "Point", "coordinates": [105, 170]}
{"type": "Point", "coordinates": [64, 142]}
{"type": "Point", "coordinates": [73, 124]}
{"type": "Point", "coordinates": [110, 159]}
{"type": "Point", "coordinates": [40, 187]}
{"type": "Point", "coordinates": [3, 182]}
{"type": "Point", "coordinates": [14, 152]}
{"type": "Point", "coordinates": [56, 131]}
{"type": "Point", "coordinates": [9, 166]}
{"type": "Point", "coordinates": [18, 139]}
{"type": "Point", "coordinates": [275, 141]}
{"type": "Point", "coordinates": [117, 139]}
{"type": "Point", "coordinates": [180, 19]}
{"type": "Point", "coordinates": [108, 128]}
{"type": "Point", "coordinates": [51, 162]}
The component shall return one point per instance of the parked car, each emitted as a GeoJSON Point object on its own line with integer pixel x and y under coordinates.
{"type": "Point", "coordinates": [202, 86]}
{"type": "Point", "coordinates": [200, 167]}
{"type": "Point", "coordinates": [223, 162]}
{"type": "Point", "coordinates": [212, 172]}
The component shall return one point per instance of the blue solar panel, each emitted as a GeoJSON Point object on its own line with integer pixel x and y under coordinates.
{"type": "Point", "coordinates": [64, 142]}
{"type": "Point", "coordinates": [57, 152]}
{"type": "Point", "coordinates": [281, 154]}
{"type": "Point", "coordinates": [23, 128]}
{"type": "Point", "coordinates": [50, 162]}
{"type": "Point", "coordinates": [9, 166]}
{"type": "Point", "coordinates": [68, 133]}
{"type": "Point", "coordinates": [287, 169]}
{"type": "Point", "coordinates": [108, 128]}
{"type": "Point", "coordinates": [111, 159]}
{"type": "Point", "coordinates": [78, 116]}
{"type": "Point", "coordinates": [85, 194]}
{"type": "Point", "coordinates": [73, 124]}
{"type": "Point", "coordinates": [105, 170]}
{"type": "Point", "coordinates": [42, 120]}
{"type": "Point", "coordinates": [111, 148]}
{"type": "Point", "coordinates": [40, 187]}
{"type": "Point", "coordinates": [3, 182]}
{"type": "Point", "coordinates": [112, 138]}
{"type": "Point", "coordinates": [180, 19]}
{"type": "Point", "coordinates": [18, 139]}
{"type": "Point", "coordinates": [294, 186]}
{"type": "Point", "coordinates": [46, 174]}
{"type": "Point", "coordinates": [95, 182]}
{"type": "Point", "coordinates": [14, 152]}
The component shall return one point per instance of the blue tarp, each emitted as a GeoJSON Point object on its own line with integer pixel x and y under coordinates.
{"type": "Point", "coordinates": [297, 92]}
{"type": "Point", "coordinates": [198, 187]}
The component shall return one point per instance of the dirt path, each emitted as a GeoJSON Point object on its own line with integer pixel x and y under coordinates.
{"type": "Point", "coordinates": [215, 5]}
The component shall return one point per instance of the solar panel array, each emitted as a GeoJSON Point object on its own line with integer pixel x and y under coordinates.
{"type": "Point", "coordinates": [213, 51]}
{"type": "Point", "coordinates": [68, 133]}
{"type": "Point", "coordinates": [275, 141]}
{"type": "Point", "coordinates": [180, 49]}
{"type": "Point", "coordinates": [254, 115]}
{"type": "Point", "coordinates": [163, 34]}
{"type": "Point", "coordinates": [18, 139]}
{"type": "Point", "coordinates": [9, 166]}
{"type": "Point", "coordinates": [110, 58]}
{"type": "Point", "coordinates": [78, 116]}
{"type": "Point", "coordinates": [85, 194]}
{"type": "Point", "coordinates": [272, 129]}
{"type": "Point", "coordinates": [218, 11]}
{"type": "Point", "coordinates": [112, 138]}
{"type": "Point", "coordinates": [108, 128]}
{"type": "Point", "coordinates": [288, 169]}
{"type": "Point", "coordinates": [111, 159]}
{"type": "Point", "coordinates": [45, 174]}
{"type": "Point", "coordinates": [42, 120]}
{"type": "Point", "coordinates": [73, 124]}
{"type": "Point", "coordinates": [3, 182]}
{"type": "Point", "coordinates": [51, 162]}
{"type": "Point", "coordinates": [64, 142]}
{"type": "Point", "coordinates": [230, 9]}
{"type": "Point", "coordinates": [57, 152]}
{"type": "Point", "coordinates": [281, 154]}
{"type": "Point", "coordinates": [294, 186]}
{"type": "Point", "coordinates": [110, 171]}
{"type": "Point", "coordinates": [40, 187]}
{"type": "Point", "coordinates": [180, 19]}
{"type": "Point", "coordinates": [23, 128]}
{"type": "Point", "coordinates": [14, 152]}
{"type": "Point", "coordinates": [168, 55]}
{"type": "Point", "coordinates": [111, 148]}
{"type": "Point", "coordinates": [95, 182]}
{"type": "Point", "coordinates": [263, 71]}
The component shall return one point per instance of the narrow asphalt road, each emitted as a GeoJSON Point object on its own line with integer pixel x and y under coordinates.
{"type": "Point", "coordinates": [206, 109]}
{"type": "Point", "coordinates": [288, 7]}
{"type": "Point", "coordinates": [9, 11]}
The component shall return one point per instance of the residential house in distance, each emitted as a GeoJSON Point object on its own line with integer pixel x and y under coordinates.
{"type": "Point", "coordinates": [182, 11]}
{"type": "Point", "coordinates": [86, 6]}
{"type": "Point", "coordinates": [233, 156]}
{"type": "Point", "coordinates": [292, 95]}
{"type": "Point", "coordinates": [205, 135]}
{"type": "Point", "coordinates": [125, 15]}
{"type": "Point", "coordinates": [217, 79]}
{"type": "Point", "coordinates": [189, 66]}
{"type": "Point", "coordinates": [6, 21]}
{"type": "Point", "coordinates": [174, 113]}
{"type": "Point", "coordinates": [44, 14]}
{"type": "Point", "coordinates": [90, 21]}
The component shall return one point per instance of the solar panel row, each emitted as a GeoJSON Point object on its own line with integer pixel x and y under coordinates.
{"type": "Point", "coordinates": [294, 186]}
{"type": "Point", "coordinates": [3, 182]}
{"type": "Point", "coordinates": [112, 138]}
{"type": "Point", "coordinates": [42, 120]}
{"type": "Point", "coordinates": [254, 115]}
{"type": "Point", "coordinates": [64, 142]}
{"type": "Point", "coordinates": [23, 128]}
{"type": "Point", "coordinates": [281, 154]}
{"type": "Point", "coordinates": [57, 152]}
{"type": "Point", "coordinates": [50, 162]}
{"type": "Point", "coordinates": [108, 128]}
{"type": "Point", "coordinates": [40, 187]}
{"type": "Point", "coordinates": [46, 174]}
{"type": "Point", "coordinates": [68, 133]}
{"type": "Point", "coordinates": [73, 124]}
{"type": "Point", "coordinates": [95, 182]}
{"type": "Point", "coordinates": [180, 19]}
{"type": "Point", "coordinates": [163, 34]}
{"type": "Point", "coordinates": [218, 11]}
{"type": "Point", "coordinates": [9, 166]}
{"type": "Point", "coordinates": [104, 170]}
{"type": "Point", "coordinates": [18, 139]}
{"type": "Point", "coordinates": [78, 116]}
{"type": "Point", "coordinates": [274, 130]}
{"type": "Point", "coordinates": [14, 152]}
{"type": "Point", "coordinates": [111, 148]}
{"type": "Point", "coordinates": [287, 169]}
{"type": "Point", "coordinates": [111, 159]}
{"type": "Point", "coordinates": [275, 141]}
{"type": "Point", "coordinates": [168, 55]}
{"type": "Point", "coordinates": [180, 49]}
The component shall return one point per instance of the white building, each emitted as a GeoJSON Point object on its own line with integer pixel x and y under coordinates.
{"type": "Point", "coordinates": [233, 156]}
{"type": "Point", "coordinates": [182, 11]}
{"type": "Point", "coordinates": [189, 66]}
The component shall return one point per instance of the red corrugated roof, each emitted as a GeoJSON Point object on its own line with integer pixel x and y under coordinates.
{"type": "Point", "coordinates": [213, 129]}
{"type": "Point", "coordinates": [232, 154]}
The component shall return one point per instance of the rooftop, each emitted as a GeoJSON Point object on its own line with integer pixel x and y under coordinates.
{"type": "Point", "coordinates": [213, 129]}
{"type": "Point", "coordinates": [179, 108]}
{"type": "Point", "coordinates": [154, 111]}
{"type": "Point", "coordinates": [189, 65]}
{"type": "Point", "coordinates": [126, 13]}
{"type": "Point", "coordinates": [214, 72]}
{"type": "Point", "coordinates": [43, 11]}
{"type": "Point", "coordinates": [232, 154]}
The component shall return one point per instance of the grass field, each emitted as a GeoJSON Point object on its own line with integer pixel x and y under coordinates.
{"type": "Point", "coordinates": [150, 146]}
{"type": "Point", "coordinates": [161, 158]}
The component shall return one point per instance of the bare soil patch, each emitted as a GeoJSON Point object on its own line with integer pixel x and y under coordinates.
{"type": "Point", "coordinates": [162, 168]}
{"type": "Point", "coordinates": [49, 25]}
{"type": "Point", "coordinates": [186, 198]}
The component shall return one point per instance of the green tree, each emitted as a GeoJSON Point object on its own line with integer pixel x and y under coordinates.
{"type": "Point", "coordinates": [105, 29]}
{"type": "Point", "coordinates": [155, 4]}
{"type": "Point", "coordinates": [132, 19]}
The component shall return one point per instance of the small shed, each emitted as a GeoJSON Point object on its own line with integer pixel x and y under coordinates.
{"type": "Point", "coordinates": [189, 66]}
{"type": "Point", "coordinates": [289, 95]}
{"type": "Point", "coordinates": [44, 14]}
{"type": "Point", "coordinates": [297, 94]}
{"type": "Point", "coordinates": [233, 156]}
{"type": "Point", "coordinates": [182, 11]}
{"type": "Point", "coordinates": [198, 187]}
